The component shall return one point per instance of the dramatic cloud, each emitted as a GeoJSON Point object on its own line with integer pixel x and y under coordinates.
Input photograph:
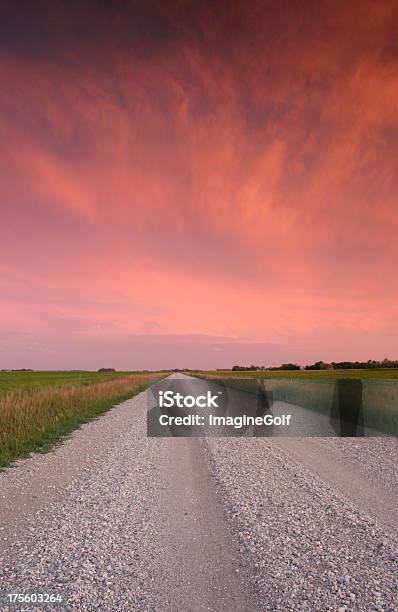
{"type": "Point", "coordinates": [188, 170]}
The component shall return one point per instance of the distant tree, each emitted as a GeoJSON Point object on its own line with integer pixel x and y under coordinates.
{"type": "Point", "coordinates": [107, 370]}
{"type": "Point", "coordinates": [285, 366]}
{"type": "Point", "coordinates": [322, 365]}
{"type": "Point", "coordinates": [289, 366]}
{"type": "Point", "coordinates": [319, 365]}
{"type": "Point", "coordinates": [252, 368]}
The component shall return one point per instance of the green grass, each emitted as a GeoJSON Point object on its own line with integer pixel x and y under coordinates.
{"type": "Point", "coordinates": [35, 416]}
{"type": "Point", "coordinates": [35, 380]}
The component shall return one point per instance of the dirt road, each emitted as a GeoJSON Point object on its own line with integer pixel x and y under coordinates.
{"type": "Point", "coordinates": [112, 520]}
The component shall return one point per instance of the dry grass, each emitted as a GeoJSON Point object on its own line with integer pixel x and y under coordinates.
{"type": "Point", "coordinates": [34, 420]}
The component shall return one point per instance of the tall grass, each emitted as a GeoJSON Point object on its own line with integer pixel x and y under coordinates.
{"type": "Point", "coordinates": [34, 420]}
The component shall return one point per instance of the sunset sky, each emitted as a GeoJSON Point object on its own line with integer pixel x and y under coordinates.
{"type": "Point", "coordinates": [198, 184]}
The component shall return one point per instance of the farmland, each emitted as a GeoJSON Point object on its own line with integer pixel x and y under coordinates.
{"type": "Point", "coordinates": [373, 392]}
{"type": "Point", "coordinates": [39, 408]}
{"type": "Point", "coordinates": [374, 374]}
{"type": "Point", "coordinates": [28, 381]}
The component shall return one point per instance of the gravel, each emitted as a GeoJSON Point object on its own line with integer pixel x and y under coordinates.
{"type": "Point", "coordinates": [132, 523]}
{"type": "Point", "coordinates": [91, 543]}
{"type": "Point", "coordinates": [115, 522]}
{"type": "Point", "coordinates": [309, 547]}
{"type": "Point", "coordinates": [378, 456]}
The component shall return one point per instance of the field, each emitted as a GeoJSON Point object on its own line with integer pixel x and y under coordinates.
{"type": "Point", "coordinates": [371, 393]}
{"type": "Point", "coordinates": [35, 380]}
{"type": "Point", "coordinates": [376, 374]}
{"type": "Point", "coordinates": [39, 408]}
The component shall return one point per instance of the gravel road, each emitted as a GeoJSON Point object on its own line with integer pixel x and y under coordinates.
{"type": "Point", "coordinates": [115, 521]}
{"type": "Point", "coordinates": [311, 547]}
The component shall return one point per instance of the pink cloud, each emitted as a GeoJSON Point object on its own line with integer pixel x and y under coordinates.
{"type": "Point", "coordinates": [228, 182]}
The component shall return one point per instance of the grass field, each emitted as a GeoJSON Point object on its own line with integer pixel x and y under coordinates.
{"type": "Point", "coordinates": [381, 374]}
{"type": "Point", "coordinates": [375, 392]}
{"type": "Point", "coordinates": [35, 380]}
{"type": "Point", "coordinates": [39, 408]}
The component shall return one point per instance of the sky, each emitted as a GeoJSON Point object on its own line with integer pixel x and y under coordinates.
{"type": "Point", "coordinates": [197, 183]}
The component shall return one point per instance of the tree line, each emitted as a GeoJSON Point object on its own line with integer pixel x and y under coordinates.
{"type": "Point", "coordinates": [371, 364]}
